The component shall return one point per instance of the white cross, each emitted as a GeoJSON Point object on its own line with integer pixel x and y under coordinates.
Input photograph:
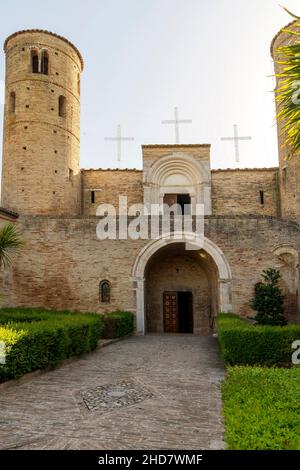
{"type": "Point", "coordinates": [119, 139]}
{"type": "Point", "coordinates": [236, 139]}
{"type": "Point", "coordinates": [176, 122]}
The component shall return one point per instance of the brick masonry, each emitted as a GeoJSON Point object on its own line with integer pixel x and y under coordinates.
{"type": "Point", "coordinates": [239, 192]}
{"type": "Point", "coordinates": [40, 147]}
{"type": "Point", "coordinates": [63, 262]}
{"type": "Point", "coordinates": [107, 185]}
{"type": "Point", "coordinates": [178, 270]}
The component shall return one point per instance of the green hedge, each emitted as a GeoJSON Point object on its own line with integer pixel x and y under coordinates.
{"type": "Point", "coordinates": [35, 339]}
{"type": "Point", "coordinates": [262, 408]}
{"type": "Point", "coordinates": [17, 315]}
{"type": "Point", "coordinates": [117, 324]}
{"type": "Point", "coordinates": [243, 343]}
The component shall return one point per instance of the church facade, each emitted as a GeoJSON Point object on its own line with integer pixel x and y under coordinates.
{"type": "Point", "coordinates": [251, 216]}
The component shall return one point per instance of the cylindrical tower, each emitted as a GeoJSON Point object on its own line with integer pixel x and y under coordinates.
{"type": "Point", "coordinates": [41, 142]}
{"type": "Point", "coordinates": [289, 168]}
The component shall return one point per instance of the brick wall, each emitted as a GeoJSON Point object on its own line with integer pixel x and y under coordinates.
{"type": "Point", "coordinates": [40, 147]}
{"type": "Point", "coordinates": [63, 262]}
{"type": "Point", "coordinates": [235, 192]}
{"type": "Point", "coordinates": [108, 185]}
{"type": "Point", "coordinates": [238, 192]}
{"type": "Point", "coordinates": [177, 270]}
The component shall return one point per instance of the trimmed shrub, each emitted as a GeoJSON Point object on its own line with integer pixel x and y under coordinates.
{"type": "Point", "coordinates": [35, 339]}
{"type": "Point", "coordinates": [268, 300]}
{"type": "Point", "coordinates": [262, 408]}
{"type": "Point", "coordinates": [243, 343]}
{"type": "Point", "coordinates": [8, 315]}
{"type": "Point", "coordinates": [117, 324]}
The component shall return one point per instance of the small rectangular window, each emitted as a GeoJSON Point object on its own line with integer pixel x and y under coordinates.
{"type": "Point", "coordinates": [12, 102]}
{"type": "Point", "coordinates": [262, 197]}
{"type": "Point", "coordinates": [62, 109]}
{"type": "Point", "coordinates": [71, 174]}
{"type": "Point", "coordinates": [34, 62]}
{"type": "Point", "coordinates": [284, 178]}
{"type": "Point", "coordinates": [182, 200]}
{"type": "Point", "coordinates": [93, 197]}
{"type": "Point", "coordinates": [78, 83]}
{"type": "Point", "coordinates": [45, 63]}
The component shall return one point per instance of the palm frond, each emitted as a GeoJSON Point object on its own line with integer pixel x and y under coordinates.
{"type": "Point", "coordinates": [290, 13]}
{"type": "Point", "coordinates": [288, 91]}
{"type": "Point", "coordinates": [10, 243]}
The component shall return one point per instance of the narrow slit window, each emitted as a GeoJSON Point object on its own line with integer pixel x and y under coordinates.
{"type": "Point", "coordinates": [71, 174]}
{"type": "Point", "coordinates": [284, 178]}
{"type": "Point", "coordinates": [62, 106]}
{"type": "Point", "coordinates": [12, 102]}
{"type": "Point", "coordinates": [34, 62]}
{"type": "Point", "coordinates": [93, 197]}
{"type": "Point", "coordinates": [262, 197]}
{"type": "Point", "coordinates": [78, 83]}
{"type": "Point", "coordinates": [45, 63]}
{"type": "Point", "coordinates": [104, 292]}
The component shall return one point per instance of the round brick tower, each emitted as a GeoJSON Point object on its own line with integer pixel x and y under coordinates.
{"type": "Point", "coordinates": [41, 143]}
{"type": "Point", "coordinates": [289, 168]}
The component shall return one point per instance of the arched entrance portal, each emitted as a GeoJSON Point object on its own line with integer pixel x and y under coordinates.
{"type": "Point", "coordinates": [195, 282]}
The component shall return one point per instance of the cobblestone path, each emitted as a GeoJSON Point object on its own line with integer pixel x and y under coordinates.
{"type": "Point", "coordinates": [152, 392]}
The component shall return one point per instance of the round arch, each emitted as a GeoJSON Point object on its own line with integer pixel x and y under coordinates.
{"type": "Point", "coordinates": [138, 272]}
{"type": "Point", "coordinates": [194, 170]}
{"type": "Point", "coordinates": [178, 172]}
{"type": "Point", "coordinates": [289, 267]}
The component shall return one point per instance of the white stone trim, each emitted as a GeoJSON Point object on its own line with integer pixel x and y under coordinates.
{"type": "Point", "coordinates": [195, 172]}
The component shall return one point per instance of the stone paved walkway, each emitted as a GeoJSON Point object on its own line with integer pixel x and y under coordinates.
{"type": "Point", "coordinates": [179, 377]}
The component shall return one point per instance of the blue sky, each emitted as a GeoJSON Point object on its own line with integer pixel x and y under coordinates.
{"type": "Point", "coordinates": [144, 57]}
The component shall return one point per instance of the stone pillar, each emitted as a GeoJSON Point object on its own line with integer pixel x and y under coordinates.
{"type": "Point", "coordinates": [225, 295]}
{"type": "Point", "coordinates": [140, 306]}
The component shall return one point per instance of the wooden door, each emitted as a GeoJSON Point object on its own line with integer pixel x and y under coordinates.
{"type": "Point", "coordinates": [170, 312]}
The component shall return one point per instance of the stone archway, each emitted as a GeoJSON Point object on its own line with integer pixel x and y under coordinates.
{"type": "Point", "coordinates": [223, 273]}
{"type": "Point", "coordinates": [178, 173]}
{"type": "Point", "coordinates": [287, 261]}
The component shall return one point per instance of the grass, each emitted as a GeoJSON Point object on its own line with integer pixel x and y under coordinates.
{"type": "Point", "coordinates": [262, 408]}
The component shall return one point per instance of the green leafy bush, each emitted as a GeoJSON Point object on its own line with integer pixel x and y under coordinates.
{"type": "Point", "coordinates": [268, 300]}
{"type": "Point", "coordinates": [16, 315]}
{"type": "Point", "coordinates": [117, 324]}
{"type": "Point", "coordinates": [262, 408]}
{"type": "Point", "coordinates": [35, 339]}
{"type": "Point", "coordinates": [243, 343]}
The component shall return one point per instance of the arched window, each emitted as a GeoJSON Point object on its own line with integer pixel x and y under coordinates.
{"type": "Point", "coordinates": [104, 292]}
{"type": "Point", "coordinates": [45, 63]}
{"type": "Point", "coordinates": [12, 102]}
{"type": "Point", "coordinates": [34, 61]}
{"type": "Point", "coordinates": [62, 106]}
